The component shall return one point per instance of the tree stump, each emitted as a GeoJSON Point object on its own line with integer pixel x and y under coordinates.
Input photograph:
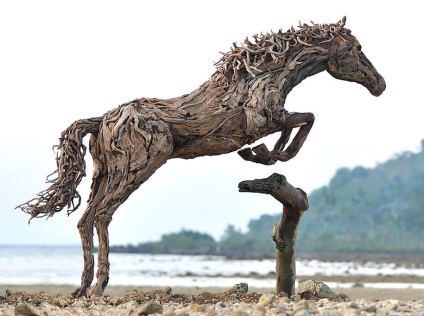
{"type": "Point", "coordinates": [295, 202]}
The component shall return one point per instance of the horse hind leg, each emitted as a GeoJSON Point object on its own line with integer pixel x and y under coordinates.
{"type": "Point", "coordinates": [132, 156]}
{"type": "Point", "coordinates": [85, 228]}
{"type": "Point", "coordinates": [86, 223]}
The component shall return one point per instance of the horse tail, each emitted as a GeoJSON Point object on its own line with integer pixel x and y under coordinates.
{"type": "Point", "coordinates": [70, 170]}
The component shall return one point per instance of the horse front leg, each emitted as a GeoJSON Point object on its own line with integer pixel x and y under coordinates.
{"type": "Point", "coordinates": [261, 154]}
{"type": "Point", "coordinates": [86, 228]}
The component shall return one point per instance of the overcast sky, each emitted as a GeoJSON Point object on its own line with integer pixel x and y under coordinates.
{"type": "Point", "coordinates": [62, 61]}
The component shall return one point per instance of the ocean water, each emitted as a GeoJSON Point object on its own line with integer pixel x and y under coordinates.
{"type": "Point", "coordinates": [63, 265]}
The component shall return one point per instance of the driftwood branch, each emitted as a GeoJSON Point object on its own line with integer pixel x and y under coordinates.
{"type": "Point", "coordinates": [295, 202]}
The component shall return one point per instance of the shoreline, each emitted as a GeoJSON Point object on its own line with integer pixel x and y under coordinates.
{"type": "Point", "coordinates": [354, 293]}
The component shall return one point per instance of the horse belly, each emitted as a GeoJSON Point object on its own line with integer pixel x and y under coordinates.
{"type": "Point", "coordinates": [209, 146]}
{"type": "Point", "coordinates": [227, 138]}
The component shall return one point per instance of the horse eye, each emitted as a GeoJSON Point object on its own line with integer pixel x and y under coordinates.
{"type": "Point", "coordinates": [349, 45]}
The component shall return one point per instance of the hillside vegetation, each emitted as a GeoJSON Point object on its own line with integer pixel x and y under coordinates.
{"type": "Point", "coordinates": [377, 209]}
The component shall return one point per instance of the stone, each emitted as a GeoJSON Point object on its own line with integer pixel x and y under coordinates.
{"type": "Point", "coordinates": [61, 302]}
{"type": "Point", "coordinates": [198, 308]}
{"type": "Point", "coordinates": [259, 310]}
{"type": "Point", "coordinates": [240, 288]}
{"type": "Point", "coordinates": [295, 298]}
{"type": "Point", "coordinates": [323, 301]}
{"type": "Point", "coordinates": [369, 308]}
{"type": "Point", "coordinates": [391, 304]}
{"type": "Point", "coordinates": [46, 307]}
{"type": "Point", "coordinates": [281, 309]}
{"type": "Point", "coordinates": [301, 305]}
{"type": "Point", "coordinates": [36, 301]}
{"type": "Point", "coordinates": [350, 312]}
{"type": "Point", "coordinates": [323, 290]}
{"type": "Point", "coordinates": [267, 299]}
{"type": "Point", "coordinates": [314, 290]}
{"type": "Point", "coordinates": [282, 294]}
{"type": "Point", "coordinates": [7, 311]}
{"type": "Point", "coordinates": [404, 309]}
{"type": "Point", "coordinates": [116, 300]}
{"type": "Point", "coordinates": [331, 312]}
{"type": "Point", "coordinates": [343, 297]}
{"type": "Point", "coordinates": [129, 307]}
{"type": "Point", "coordinates": [302, 312]}
{"type": "Point", "coordinates": [239, 312]}
{"type": "Point", "coordinates": [220, 305]}
{"type": "Point", "coordinates": [78, 303]}
{"type": "Point", "coordinates": [149, 308]}
{"type": "Point", "coordinates": [26, 310]}
{"type": "Point", "coordinates": [282, 300]}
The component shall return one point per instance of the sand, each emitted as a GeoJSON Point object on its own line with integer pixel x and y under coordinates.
{"type": "Point", "coordinates": [54, 300]}
{"type": "Point", "coordinates": [354, 293]}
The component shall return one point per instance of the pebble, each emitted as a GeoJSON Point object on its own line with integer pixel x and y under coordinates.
{"type": "Point", "coordinates": [267, 299]}
{"type": "Point", "coordinates": [369, 308]}
{"type": "Point", "coordinates": [198, 308]}
{"type": "Point", "coordinates": [116, 300]}
{"type": "Point", "coordinates": [300, 308]}
{"type": "Point", "coordinates": [259, 310]}
{"type": "Point", "coordinates": [208, 303]}
{"type": "Point", "coordinates": [150, 308]}
{"type": "Point", "coordinates": [241, 288]}
{"type": "Point", "coordinates": [239, 312]}
{"type": "Point", "coordinates": [311, 289]}
{"type": "Point", "coordinates": [26, 310]}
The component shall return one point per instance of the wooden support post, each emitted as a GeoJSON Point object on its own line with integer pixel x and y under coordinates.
{"type": "Point", "coordinates": [295, 202]}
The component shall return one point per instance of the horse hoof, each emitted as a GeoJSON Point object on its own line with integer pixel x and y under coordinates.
{"type": "Point", "coordinates": [78, 292]}
{"type": "Point", "coordinates": [246, 154]}
{"type": "Point", "coordinates": [94, 291]}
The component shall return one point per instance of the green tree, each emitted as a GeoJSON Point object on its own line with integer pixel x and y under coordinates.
{"type": "Point", "coordinates": [362, 209]}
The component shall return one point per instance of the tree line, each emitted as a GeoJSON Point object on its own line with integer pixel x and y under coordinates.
{"type": "Point", "coordinates": [377, 209]}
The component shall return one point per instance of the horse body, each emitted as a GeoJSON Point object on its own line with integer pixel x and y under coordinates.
{"type": "Point", "coordinates": [242, 102]}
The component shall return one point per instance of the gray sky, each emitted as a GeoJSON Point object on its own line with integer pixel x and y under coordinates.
{"type": "Point", "coordinates": [62, 61]}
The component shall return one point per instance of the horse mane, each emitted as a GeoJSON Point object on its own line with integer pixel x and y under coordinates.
{"type": "Point", "coordinates": [267, 52]}
{"type": "Point", "coordinates": [273, 46]}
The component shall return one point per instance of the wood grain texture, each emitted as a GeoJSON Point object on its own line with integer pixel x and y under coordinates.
{"type": "Point", "coordinates": [241, 102]}
{"type": "Point", "coordinates": [295, 203]}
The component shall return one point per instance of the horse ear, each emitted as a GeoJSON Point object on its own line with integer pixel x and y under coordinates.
{"type": "Point", "coordinates": [342, 22]}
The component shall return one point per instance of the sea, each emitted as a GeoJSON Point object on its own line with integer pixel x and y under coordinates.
{"type": "Point", "coordinates": [59, 265]}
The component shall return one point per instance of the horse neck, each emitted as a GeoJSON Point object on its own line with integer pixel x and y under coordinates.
{"type": "Point", "coordinates": [270, 87]}
{"type": "Point", "coordinates": [302, 64]}
{"type": "Point", "coordinates": [267, 89]}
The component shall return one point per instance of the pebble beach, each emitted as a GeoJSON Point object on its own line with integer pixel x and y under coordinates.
{"type": "Point", "coordinates": [311, 298]}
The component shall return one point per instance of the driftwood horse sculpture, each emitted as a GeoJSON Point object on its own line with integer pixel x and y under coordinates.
{"type": "Point", "coordinates": [241, 102]}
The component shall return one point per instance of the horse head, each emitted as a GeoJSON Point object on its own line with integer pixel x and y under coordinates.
{"type": "Point", "coordinates": [348, 62]}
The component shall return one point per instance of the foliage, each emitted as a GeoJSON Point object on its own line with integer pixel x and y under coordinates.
{"type": "Point", "coordinates": [361, 210]}
{"type": "Point", "coordinates": [185, 242]}
{"type": "Point", "coordinates": [255, 243]}
{"type": "Point", "coordinates": [378, 210]}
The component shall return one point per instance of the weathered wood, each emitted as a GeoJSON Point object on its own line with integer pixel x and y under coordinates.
{"type": "Point", "coordinates": [242, 102]}
{"type": "Point", "coordinates": [295, 202]}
